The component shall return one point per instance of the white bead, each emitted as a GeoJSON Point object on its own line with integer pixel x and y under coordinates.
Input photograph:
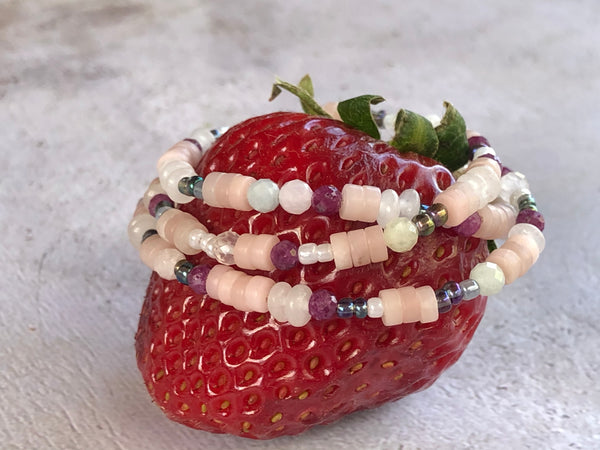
{"type": "Point", "coordinates": [296, 307]}
{"type": "Point", "coordinates": [489, 277]}
{"type": "Point", "coordinates": [487, 181]}
{"type": "Point", "coordinates": [263, 195]}
{"type": "Point", "coordinates": [511, 182]}
{"type": "Point", "coordinates": [277, 299]}
{"type": "Point", "coordinates": [172, 184]}
{"type": "Point", "coordinates": [204, 137]}
{"type": "Point", "coordinates": [223, 247]}
{"type": "Point", "coordinates": [478, 153]}
{"type": "Point", "coordinates": [389, 121]}
{"type": "Point", "coordinates": [138, 226]}
{"type": "Point", "coordinates": [295, 196]}
{"type": "Point", "coordinates": [195, 238]}
{"type": "Point", "coordinates": [207, 244]}
{"type": "Point", "coordinates": [165, 261]}
{"type": "Point", "coordinates": [401, 234]}
{"type": "Point", "coordinates": [375, 307]}
{"type": "Point", "coordinates": [324, 253]}
{"type": "Point", "coordinates": [389, 208]}
{"type": "Point", "coordinates": [409, 203]}
{"type": "Point", "coordinates": [165, 170]}
{"type": "Point", "coordinates": [307, 254]}
{"type": "Point", "coordinates": [434, 119]}
{"type": "Point", "coordinates": [530, 231]}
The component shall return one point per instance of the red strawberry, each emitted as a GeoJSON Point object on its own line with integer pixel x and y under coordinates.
{"type": "Point", "coordinates": [214, 368]}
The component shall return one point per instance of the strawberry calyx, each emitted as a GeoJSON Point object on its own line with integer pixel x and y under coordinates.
{"type": "Point", "coordinates": [413, 133]}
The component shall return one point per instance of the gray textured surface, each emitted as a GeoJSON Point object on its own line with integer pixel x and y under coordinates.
{"type": "Point", "coordinates": [90, 94]}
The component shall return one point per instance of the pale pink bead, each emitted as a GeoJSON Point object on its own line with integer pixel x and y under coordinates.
{"type": "Point", "coordinates": [457, 204]}
{"type": "Point", "coordinates": [526, 248]}
{"type": "Point", "coordinates": [214, 278]}
{"type": "Point", "coordinates": [226, 283]}
{"type": "Point", "coordinates": [242, 252]}
{"type": "Point", "coordinates": [472, 133]}
{"type": "Point", "coordinates": [167, 222]}
{"type": "Point", "coordinates": [165, 260]}
{"type": "Point", "coordinates": [257, 291]}
{"type": "Point", "coordinates": [138, 226]}
{"type": "Point", "coordinates": [471, 188]}
{"type": "Point", "coordinates": [154, 189]}
{"type": "Point", "coordinates": [428, 304]}
{"type": "Point", "coordinates": [496, 221]}
{"type": "Point", "coordinates": [222, 189]}
{"type": "Point", "coordinates": [488, 162]}
{"type": "Point", "coordinates": [238, 192]}
{"type": "Point", "coordinates": [209, 189]}
{"type": "Point", "coordinates": [182, 151]}
{"type": "Point", "coordinates": [488, 181]}
{"type": "Point", "coordinates": [253, 252]}
{"type": "Point", "coordinates": [340, 247]}
{"type": "Point", "coordinates": [182, 234]}
{"type": "Point", "coordinates": [140, 208]}
{"type": "Point", "coordinates": [411, 306]}
{"type": "Point", "coordinates": [393, 312]}
{"type": "Point", "coordinates": [359, 248]}
{"type": "Point", "coordinates": [238, 291]}
{"type": "Point", "coordinates": [371, 203]}
{"type": "Point", "coordinates": [508, 261]}
{"type": "Point", "coordinates": [378, 250]}
{"type": "Point", "coordinates": [150, 247]}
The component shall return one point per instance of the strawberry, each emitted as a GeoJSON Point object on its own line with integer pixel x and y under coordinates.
{"type": "Point", "coordinates": [217, 369]}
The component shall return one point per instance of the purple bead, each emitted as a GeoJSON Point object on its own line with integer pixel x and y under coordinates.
{"type": "Point", "coordinates": [532, 217]}
{"type": "Point", "coordinates": [470, 226]}
{"type": "Point", "coordinates": [322, 305]}
{"type": "Point", "coordinates": [154, 201]}
{"type": "Point", "coordinates": [454, 292]}
{"type": "Point", "coordinates": [494, 157]}
{"type": "Point", "coordinates": [505, 170]}
{"type": "Point", "coordinates": [478, 141]}
{"type": "Point", "coordinates": [443, 301]}
{"type": "Point", "coordinates": [195, 142]}
{"type": "Point", "coordinates": [197, 278]}
{"type": "Point", "coordinates": [327, 200]}
{"type": "Point", "coordinates": [284, 255]}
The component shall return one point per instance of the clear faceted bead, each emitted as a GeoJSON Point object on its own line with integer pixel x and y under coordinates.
{"type": "Point", "coordinates": [223, 247]}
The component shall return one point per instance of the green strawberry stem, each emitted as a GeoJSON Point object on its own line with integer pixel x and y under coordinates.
{"type": "Point", "coordinates": [304, 92]}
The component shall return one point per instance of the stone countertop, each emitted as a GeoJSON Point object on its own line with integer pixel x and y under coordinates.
{"type": "Point", "coordinates": [91, 93]}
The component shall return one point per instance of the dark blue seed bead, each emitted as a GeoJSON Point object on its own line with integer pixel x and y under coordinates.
{"type": "Point", "coordinates": [345, 308]}
{"type": "Point", "coordinates": [184, 186]}
{"type": "Point", "coordinates": [443, 301]}
{"type": "Point", "coordinates": [454, 291]}
{"type": "Point", "coordinates": [148, 233]}
{"type": "Point", "coordinates": [360, 308]}
{"type": "Point", "coordinates": [182, 270]}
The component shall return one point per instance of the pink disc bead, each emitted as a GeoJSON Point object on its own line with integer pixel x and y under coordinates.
{"type": "Point", "coordinates": [227, 190]}
{"type": "Point", "coordinates": [407, 305]}
{"type": "Point", "coordinates": [172, 219]}
{"type": "Point", "coordinates": [182, 151]}
{"type": "Point", "coordinates": [256, 293]}
{"type": "Point", "coordinates": [225, 290]}
{"type": "Point", "coordinates": [150, 247]}
{"type": "Point", "coordinates": [509, 261]}
{"type": "Point", "coordinates": [526, 248]}
{"type": "Point", "coordinates": [138, 226]}
{"type": "Point", "coordinates": [181, 236]}
{"type": "Point", "coordinates": [378, 250]}
{"type": "Point", "coordinates": [487, 162]}
{"type": "Point", "coordinates": [360, 203]}
{"type": "Point", "coordinates": [359, 248]}
{"type": "Point", "coordinates": [209, 189]}
{"type": "Point", "coordinates": [165, 260]}
{"type": "Point", "coordinates": [153, 190]}
{"type": "Point", "coordinates": [457, 203]}
{"type": "Point", "coordinates": [496, 221]}
{"type": "Point", "coordinates": [253, 252]}
{"type": "Point", "coordinates": [214, 278]}
{"type": "Point", "coordinates": [340, 247]}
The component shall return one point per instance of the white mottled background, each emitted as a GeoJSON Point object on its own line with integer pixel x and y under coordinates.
{"type": "Point", "coordinates": [92, 92]}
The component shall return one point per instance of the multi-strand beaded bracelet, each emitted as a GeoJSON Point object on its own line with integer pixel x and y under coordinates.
{"type": "Point", "coordinates": [487, 201]}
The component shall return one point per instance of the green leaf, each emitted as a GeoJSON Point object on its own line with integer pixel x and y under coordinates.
{"type": "Point", "coordinates": [453, 150]}
{"type": "Point", "coordinates": [356, 112]}
{"type": "Point", "coordinates": [309, 105]}
{"type": "Point", "coordinates": [491, 244]}
{"type": "Point", "coordinates": [414, 133]}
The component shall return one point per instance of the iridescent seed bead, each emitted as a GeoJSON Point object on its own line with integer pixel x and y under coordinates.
{"type": "Point", "coordinates": [322, 305]}
{"type": "Point", "coordinates": [183, 186]}
{"type": "Point", "coordinates": [526, 201]}
{"type": "Point", "coordinates": [182, 270]}
{"type": "Point", "coordinates": [197, 183]}
{"type": "Point", "coordinates": [454, 292]}
{"type": "Point", "coordinates": [162, 207]}
{"type": "Point", "coordinates": [360, 308]}
{"type": "Point", "coordinates": [156, 201]}
{"type": "Point", "coordinates": [470, 289]}
{"type": "Point", "coordinates": [444, 303]}
{"type": "Point", "coordinates": [148, 233]}
{"type": "Point", "coordinates": [438, 213]}
{"type": "Point", "coordinates": [345, 308]}
{"type": "Point", "coordinates": [424, 223]}
{"type": "Point", "coordinates": [218, 132]}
